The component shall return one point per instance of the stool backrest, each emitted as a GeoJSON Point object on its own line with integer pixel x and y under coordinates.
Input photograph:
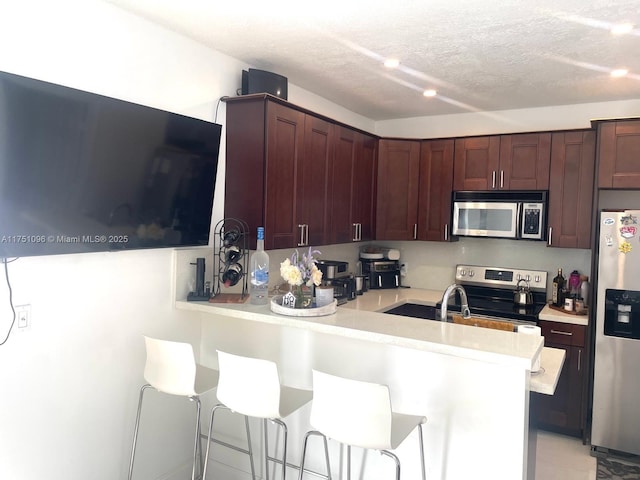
{"type": "Point", "coordinates": [170, 366]}
{"type": "Point", "coordinates": [351, 411]}
{"type": "Point", "coordinates": [249, 386]}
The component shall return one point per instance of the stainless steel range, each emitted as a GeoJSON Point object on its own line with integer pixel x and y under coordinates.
{"type": "Point", "coordinates": [510, 294]}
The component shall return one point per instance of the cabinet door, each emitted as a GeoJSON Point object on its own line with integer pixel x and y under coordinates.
{"type": "Point", "coordinates": [312, 171]}
{"type": "Point", "coordinates": [476, 163]}
{"type": "Point", "coordinates": [364, 187]}
{"type": "Point", "coordinates": [618, 147]}
{"type": "Point", "coordinates": [571, 189]}
{"type": "Point", "coordinates": [285, 134]}
{"type": "Point", "coordinates": [436, 182]}
{"type": "Point", "coordinates": [340, 198]}
{"type": "Point", "coordinates": [397, 199]}
{"type": "Point", "coordinates": [524, 162]}
{"type": "Point", "coordinates": [562, 410]}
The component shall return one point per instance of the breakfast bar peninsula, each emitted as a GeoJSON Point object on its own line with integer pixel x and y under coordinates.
{"type": "Point", "coordinates": [473, 384]}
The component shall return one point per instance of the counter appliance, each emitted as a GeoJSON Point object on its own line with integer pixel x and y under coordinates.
{"type": "Point", "coordinates": [381, 273]}
{"type": "Point", "coordinates": [519, 215]}
{"type": "Point", "coordinates": [616, 388]}
{"type": "Point", "coordinates": [333, 269]}
{"type": "Point", "coordinates": [490, 293]}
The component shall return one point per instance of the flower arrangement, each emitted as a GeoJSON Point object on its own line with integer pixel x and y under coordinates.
{"type": "Point", "coordinates": [299, 271]}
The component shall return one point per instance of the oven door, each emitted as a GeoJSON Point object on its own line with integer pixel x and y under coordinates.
{"type": "Point", "coordinates": [486, 219]}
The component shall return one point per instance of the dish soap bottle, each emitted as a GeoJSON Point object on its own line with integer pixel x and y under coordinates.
{"type": "Point", "coordinates": [259, 286]}
{"type": "Point", "coordinates": [558, 289]}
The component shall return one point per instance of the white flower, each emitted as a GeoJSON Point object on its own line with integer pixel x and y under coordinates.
{"type": "Point", "coordinates": [297, 271]}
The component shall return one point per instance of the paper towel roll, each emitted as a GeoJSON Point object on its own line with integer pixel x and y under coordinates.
{"type": "Point", "coordinates": [532, 330]}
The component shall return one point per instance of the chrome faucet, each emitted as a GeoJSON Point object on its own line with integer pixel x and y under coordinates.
{"type": "Point", "coordinates": [463, 299]}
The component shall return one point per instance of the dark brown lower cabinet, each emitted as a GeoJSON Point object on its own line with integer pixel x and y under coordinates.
{"type": "Point", "coordinates": [564, 412]}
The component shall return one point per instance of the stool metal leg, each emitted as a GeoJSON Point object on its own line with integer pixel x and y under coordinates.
{"type": "Point", "coordinates": [196, 440]}
{"type": "Point", "coordinates": [421, 443]}
{"type": "Point", "coordinates": [285, 433]}
{"type": "Point", "coordinates": [348, 462]}
{"type": "Point", "coordinates": [249, 448]}
{"type": "Point", "coordinates": [395, 458]}
{"type": "Point", "coordinates": [210, 439]}
{"type": "Point", "coordinates": [135, 430]}
{"type": "Point", "coordinates": [266, 448]}
{"type": "Point", "coordinates": [304, 453]}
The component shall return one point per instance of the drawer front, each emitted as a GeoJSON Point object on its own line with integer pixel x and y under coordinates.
{"type": "Point", "coordinates": [562, 333]}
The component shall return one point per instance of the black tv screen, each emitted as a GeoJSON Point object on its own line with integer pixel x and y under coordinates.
{"type": "Point", "coordinates": [81, 172]}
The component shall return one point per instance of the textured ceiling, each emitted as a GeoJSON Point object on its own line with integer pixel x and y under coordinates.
{"type": "Point", "coordinates": [479, 55]}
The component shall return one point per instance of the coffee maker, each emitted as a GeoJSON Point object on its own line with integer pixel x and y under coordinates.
{"type": "Point", "coordinates": [336, 273]}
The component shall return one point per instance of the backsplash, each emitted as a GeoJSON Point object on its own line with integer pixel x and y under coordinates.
{"type": "Point", "coordinates": [429, 265]}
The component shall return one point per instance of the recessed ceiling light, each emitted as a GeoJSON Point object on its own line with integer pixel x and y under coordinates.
{"type": "Point", "coordinates": [430, 93]}
{"type": "Point", "coordinates": [622, 28]}
{"type": "Point", "coordinates": [392, 63]}
{"type": "Point", "coordinates": [619, 72]}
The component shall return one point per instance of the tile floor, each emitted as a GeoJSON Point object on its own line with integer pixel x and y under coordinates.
{"type": "Point", "coordinates": [560, 457]}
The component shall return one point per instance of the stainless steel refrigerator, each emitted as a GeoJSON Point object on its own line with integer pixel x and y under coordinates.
{"type": "Point", "coordinates": [616, 394]}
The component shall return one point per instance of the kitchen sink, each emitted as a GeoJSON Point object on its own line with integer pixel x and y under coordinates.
{"type": "Point", "coordinates": [414, 310]}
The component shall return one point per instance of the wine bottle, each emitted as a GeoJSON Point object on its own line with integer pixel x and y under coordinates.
{"type": "Point", "coordinates": [230, 237]}
{"type": "Point", "coordinates": [557, 289]}
{"type": "Point", "coordinates": [232, 255]}
{"type": "Point", "coordinates": [259, 286]}
{"type": "Point", "coordinates": [232, 275]}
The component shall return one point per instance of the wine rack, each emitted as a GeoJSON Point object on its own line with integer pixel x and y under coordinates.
{"type": "Point", "coordinates": [230, 252]}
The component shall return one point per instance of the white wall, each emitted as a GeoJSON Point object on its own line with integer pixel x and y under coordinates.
{"type": "Point", "coordinates": [69, 386]}
{"type": "Point", "coordinates": [508, 121]}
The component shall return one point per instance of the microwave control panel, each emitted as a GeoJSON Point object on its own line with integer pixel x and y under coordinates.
{"type": "Point", "coordinates": [532, 221]}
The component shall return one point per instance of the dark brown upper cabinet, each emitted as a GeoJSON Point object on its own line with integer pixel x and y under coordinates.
{"type": "Point", "coordinates": [503, 162]}
{"type": "Point", "coordinates": [435, 186]}
{"type": "Point", "coordinates": [619, 154]}
{"type": "Point", "coordinates": [571, 188]}
{"type": "Point", "coordinates": [397, 196]}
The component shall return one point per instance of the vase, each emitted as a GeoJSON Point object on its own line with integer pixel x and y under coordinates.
{"type": "Point", "coordinates": [301, 296]}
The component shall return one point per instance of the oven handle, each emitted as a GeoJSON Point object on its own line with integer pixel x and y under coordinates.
{"type": "Point", "coordinates": [519, 220]}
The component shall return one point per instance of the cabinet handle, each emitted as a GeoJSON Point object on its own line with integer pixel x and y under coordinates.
{"type": "Point", "coordinates": [568, 334]}
{"type": "Point", "coordinates": [501, 178]}
{"type": "Point", "coordinates": [379, 281]}
{"type": "Point", "coordinates": [446, 232]}
{"type": "Point", "coordinates": [304, 234]}
{"type": "Point", "coordinates": [359, 232]}
{"type": "Point", "coordinates": [550, 233]}
{"type": "Point", "coordinates": [415, 231]}
{"type": "Point", "coordinates": [355, 232]}
{"type": "Point", "coordinates": [397, 281]}
{"type": "Point", "coordinates": [579, 359]}
{"type": "Point", "coordinates": [493, 179]}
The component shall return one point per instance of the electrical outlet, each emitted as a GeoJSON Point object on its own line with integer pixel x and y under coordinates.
{"type": "Point", "coordinates": [23, 317]}
{"type": "Point", "coordinates": [404, 269]}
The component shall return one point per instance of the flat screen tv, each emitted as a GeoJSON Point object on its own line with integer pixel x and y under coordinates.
{"type": "Point", "coordinates": [81, 172]}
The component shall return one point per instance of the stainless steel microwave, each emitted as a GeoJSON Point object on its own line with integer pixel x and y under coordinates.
{"type": "Point", "coordinates": [505, 214]}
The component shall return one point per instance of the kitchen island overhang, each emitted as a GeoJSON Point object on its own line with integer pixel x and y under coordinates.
{"type": "Point", "coordinates": [472, 384]}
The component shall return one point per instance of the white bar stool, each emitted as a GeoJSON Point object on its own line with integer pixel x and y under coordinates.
{"type": "Point", "coordinates": [358, 414]}
{"type": "Point", "coordinates": [252, 387]}
{"type": "Point", "coordinates": [171, 368]}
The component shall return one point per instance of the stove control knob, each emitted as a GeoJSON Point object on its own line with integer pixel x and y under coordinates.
{"type": "Point", "coordinates": [518, 277]}
{"type": "Point", "coordinates": [463, 272]}
{"type": "Point", "coordinates": [471, 273]}
{"type": "Point", "coordinates": [527, 278]}
{"type": "Point", "coordinates": [537, 279]}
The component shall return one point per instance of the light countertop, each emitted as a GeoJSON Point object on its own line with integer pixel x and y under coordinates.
{"type": "Point", "coordinates": [552, 315]}
{"type": "Point", "coordinates": [359, 319]}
